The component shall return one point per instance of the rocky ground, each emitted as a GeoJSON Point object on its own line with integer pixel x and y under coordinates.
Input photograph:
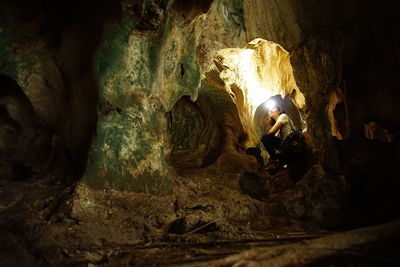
{"type": "Point", "coordinates": [49, 222]}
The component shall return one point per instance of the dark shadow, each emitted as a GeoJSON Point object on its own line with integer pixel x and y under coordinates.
{"type": "Point", "coordinates": [190, 9]}
{"type": "Point", "coordinates": [253, 185]}
{"type": "Point", "coordinates": [25, 140]}
{"type": "Point", "coordinates": [196, 138]}
{"type": "Point", "coordinates": [339, 115]}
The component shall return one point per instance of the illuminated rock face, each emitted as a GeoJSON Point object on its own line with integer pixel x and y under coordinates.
{"type": "Point", "coordinates": [252, 75]}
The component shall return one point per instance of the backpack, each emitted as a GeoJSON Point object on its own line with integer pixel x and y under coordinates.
{"type": "Point", "coordinates": [292, 146]}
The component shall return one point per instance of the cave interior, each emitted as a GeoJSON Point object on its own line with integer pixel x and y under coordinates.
{"type": "Point", "coordinates": [130, 133]}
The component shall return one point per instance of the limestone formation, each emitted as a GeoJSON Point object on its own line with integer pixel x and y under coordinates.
{"type": "Point", "coordinates": [124, 123]}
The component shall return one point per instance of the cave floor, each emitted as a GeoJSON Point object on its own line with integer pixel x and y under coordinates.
{"type": "Point", "coordinates": [32, 235]}
{"type": "Point", "coordinates": [363, 247]}
{"type": "Point", "coordinates": [180, 253]}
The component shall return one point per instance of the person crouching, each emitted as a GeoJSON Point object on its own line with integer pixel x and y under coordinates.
{"type": "Point", "coordinates": [281, 127]}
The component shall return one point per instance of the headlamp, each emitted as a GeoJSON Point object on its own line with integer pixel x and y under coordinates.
{"type": "Point", "coordinates": [270, 104]}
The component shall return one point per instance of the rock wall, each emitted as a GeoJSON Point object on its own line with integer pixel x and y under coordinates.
{"type": "Point", "coordinates": [160, 58]}
{"type": "Point", "coordinates": [48, 48]}
{"type": "Point", "coordinates": [131, 96]}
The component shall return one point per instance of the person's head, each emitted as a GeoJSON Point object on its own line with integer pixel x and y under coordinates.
{"type": "Point", "coordinates": [274, 112]}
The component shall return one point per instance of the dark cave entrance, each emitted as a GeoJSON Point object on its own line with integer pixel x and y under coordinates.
{"type": "Point", "coordinates": [25, 140]}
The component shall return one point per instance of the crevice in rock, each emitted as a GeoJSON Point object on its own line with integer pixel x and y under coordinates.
{"type": "Point", "coordinates": [151, 17]}
{"type": "Point", "coordinates": [195, 137]}
{"type": "Point", "coordinates": [190, 10]}
{"type": "Point", "coordinates": [25, 140]}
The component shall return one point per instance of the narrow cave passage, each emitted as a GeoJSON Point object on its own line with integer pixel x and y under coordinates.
{"type": "Point", "coordinates": [255, 74]}
{"type": "Point", "coordinates": [228, 119]}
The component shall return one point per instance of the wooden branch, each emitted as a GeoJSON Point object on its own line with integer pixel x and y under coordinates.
{"type": "Point", "coordinates": [309, 251]}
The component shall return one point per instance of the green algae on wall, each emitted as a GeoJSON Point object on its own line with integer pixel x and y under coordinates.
{"type": "Point", "coordinates": [177, 72]}
{"type": "Point", "coordinates": [124, 154]}
{"type": "Point", "coordinates": [140, 78]}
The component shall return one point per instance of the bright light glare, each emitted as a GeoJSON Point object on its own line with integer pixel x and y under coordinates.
{"type": "Point", "coordinates": [256, 92]}
{"type": "Point", "coordinates": [270, 104]}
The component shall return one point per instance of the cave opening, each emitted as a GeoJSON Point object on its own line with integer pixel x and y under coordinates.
{"type": "Point", "coordinates": [25, 139]}
{"type": "Point", "coordinates": [228, 118]}
{"type": "Point", "coordinates": [255, 74]}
